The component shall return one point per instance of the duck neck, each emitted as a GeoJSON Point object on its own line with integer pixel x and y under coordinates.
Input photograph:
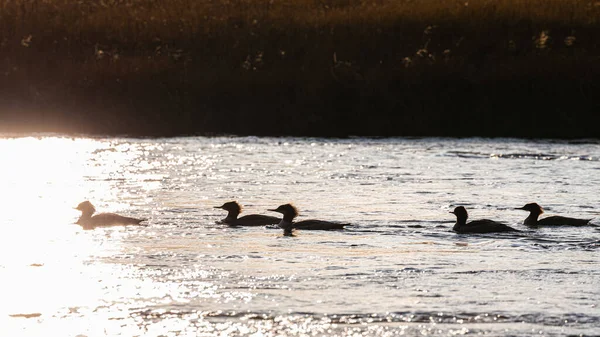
{"type": "Point", "coordinates": [460, 222]}
{"type": "Point", "coordinates": [286, 225]}
{"type": "Point", "coordinates": [85, 216]}
{"type": "Point", "coordinates": [288, 218]}
{"type": "Point", "coordinates": [231, 216]}
{"type": "Point", "coordinates": [532, 219]}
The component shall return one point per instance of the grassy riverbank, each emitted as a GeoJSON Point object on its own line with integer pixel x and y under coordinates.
{"type": "Point", "coordinates": [320, 67]}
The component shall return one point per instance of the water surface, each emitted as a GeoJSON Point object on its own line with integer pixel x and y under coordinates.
{"type": "Point", "coordinates": [397, 270]}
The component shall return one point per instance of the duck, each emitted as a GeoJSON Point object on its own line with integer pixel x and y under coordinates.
{"type": "Point", "coordinates": [89, 221]}
{"type": "Point", "coordinates": [535, 210]}
{"type": "Point", "coordinates": [288, 225]}
{"type": "Point", "coordinates": [477, 226]}
{"type": "Point", "coordinates": [234, 209]}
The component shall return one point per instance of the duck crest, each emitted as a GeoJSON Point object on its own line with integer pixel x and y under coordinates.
{"type": "Point", "coordinates": [233, 210]}
{"type": "Point", "coordinates": [289, 212]}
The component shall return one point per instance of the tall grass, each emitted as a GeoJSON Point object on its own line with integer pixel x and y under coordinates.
{"type": "Point", "coordinates": [318, 67]}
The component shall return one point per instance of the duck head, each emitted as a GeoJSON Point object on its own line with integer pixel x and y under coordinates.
{"type": "Point", "coordinates": [288, 210]}
{"type": "Point", "coordinates": [532, 208]}
{"type": "Point", "coordinates": [86, 207]}
{"type": "Point", "coordinates": [232, 207]}
{"type": "Point", "coordinates": [461, 214]}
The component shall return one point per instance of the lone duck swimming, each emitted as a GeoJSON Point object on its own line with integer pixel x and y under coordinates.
{"type": "Point", "coordinates": [89, 221]}
{"type": "Point", "coordinates": [290, 212]}
{"type": "Point", "coordinates": [477, 226]}
{"type": "Point", "coordinates": [234, 209]}
{"type": "Point", "coordinates": [535, 210]}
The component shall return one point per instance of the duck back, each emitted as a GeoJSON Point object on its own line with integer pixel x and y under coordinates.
{"type": "Point", "coordinates": [562, 221]}
{"type": "Point", "coordinates": [108, 220]}
{"type": "Point", "coordinates": [318, 225]}
{"type": "Point", "coordinates": [255, 220]}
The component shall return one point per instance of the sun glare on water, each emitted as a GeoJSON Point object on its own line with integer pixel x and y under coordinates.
{"type": "Point", "coordinates": [42, 253]}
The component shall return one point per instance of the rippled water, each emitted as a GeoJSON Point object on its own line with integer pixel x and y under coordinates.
{"type": "Point", "coordinates": [397, 270]}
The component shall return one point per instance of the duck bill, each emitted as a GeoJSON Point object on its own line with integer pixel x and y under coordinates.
{"type": "Point", "coordinates": [273, 210]}
{"type": "Point", "coordinates": [452, 212]}
{"type": "Point", "coordinates": [520, 208]}
{"type": "Point", "coordinates": [218, 207]}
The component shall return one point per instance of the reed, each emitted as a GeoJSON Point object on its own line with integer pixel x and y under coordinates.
{"type": "Point", "coordinates": [319, 67]}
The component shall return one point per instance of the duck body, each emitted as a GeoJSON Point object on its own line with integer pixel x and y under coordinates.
{"type": "Point", "coordinates": [288, 225]}
{"type": "Point", "coordinates": [232, 219]}
{"type": "Point", "coordinates": [318, 225]}
{"type": "Point", "coordinates": [88, 220]}
{"type": "Point", "coordinates": [557, 220]}
{"type": "Point", "coordinates": [107, 220]}
{"type": "Point", "coordinates": [477, 226]}
{"type": "Point", "coordinates": [253, 220]}
{"type": "Point", "coordinates": [483, 226]}
{"type": "Point", "coordinates": [536, 210]}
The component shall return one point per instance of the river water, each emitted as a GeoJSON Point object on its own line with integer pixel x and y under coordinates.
{"type": "Point", "coordinates": [398, 270]}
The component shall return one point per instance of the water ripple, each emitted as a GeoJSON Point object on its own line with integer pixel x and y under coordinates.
{"type": "Point", "coordinates": [399, 269]}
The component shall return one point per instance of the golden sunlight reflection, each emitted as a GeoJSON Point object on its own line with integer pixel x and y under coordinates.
{"type": "Point", "coordinates": [42, 179]}
{"type": "Point", "coordinates": [44, 257]}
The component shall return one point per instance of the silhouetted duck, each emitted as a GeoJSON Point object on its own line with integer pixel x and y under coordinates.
{"type": "Point", "coordinates": [89, 221]}
{"type": "Point", "coordinates": [477, 226]}
{"type": "Point", "coordinates": [234, 209]}
{"type": "Point", "coordinates": [290, 212]}
{"type": "Point", "coordinates": [535, 210]}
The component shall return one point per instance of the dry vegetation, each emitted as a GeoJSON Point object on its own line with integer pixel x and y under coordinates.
{"type": "Point", "coordinates": [306, 67]}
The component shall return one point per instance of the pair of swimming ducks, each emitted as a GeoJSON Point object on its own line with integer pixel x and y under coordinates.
{"type": "Point", "coordinates": [491, 226]}
{"type": "Point", "coordinates": [89, 221]}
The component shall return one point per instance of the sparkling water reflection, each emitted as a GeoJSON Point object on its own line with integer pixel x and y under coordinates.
{"type": "Point", "coordinates": [397, 270]}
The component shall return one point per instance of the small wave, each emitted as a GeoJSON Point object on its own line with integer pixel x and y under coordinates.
{"type": "Point", "coordinates": [32, 315]}
{"type": "Point", "coordinates": [468, 154]}
{"type": "Point", "coordinates": [405, 270]}
{"type": "Point", "coordinates": [426, 221]}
